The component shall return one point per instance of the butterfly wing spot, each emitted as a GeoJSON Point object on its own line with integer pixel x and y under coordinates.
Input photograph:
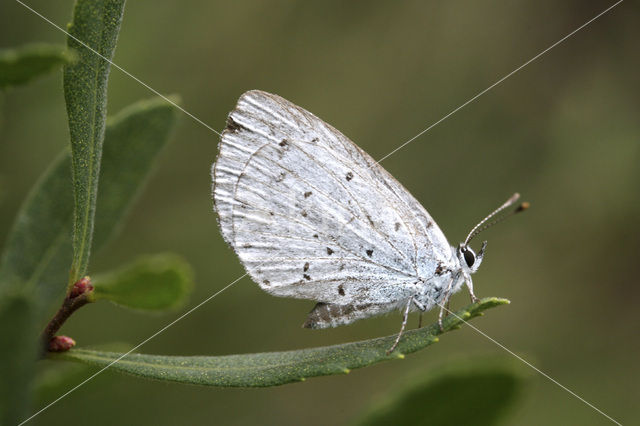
{"type": "Point", "coordinates": [369, 253]}
{"type": "Point", "coordinates": [284, 143]}
{"type": "Point", "coordinates": [341, 290]}
{"type": "Point", "coordinates": [370, 221]}
{"type": "Point", "coordinates": [303, 213]}
{"type": "Point", "coordinates": [349, 176]}
{"type": "Point", "coordinates": [305, 268]}
{"type": "Point", "coordinates": [329, 251]}
{"type": "Point", "coordinates": [233, 126]}
{"type": "Point", "coordinates": [315, 235]}
{"type": "Point", "coordinates": [281, 177]}
{"type": "Point", "coordinates": [266, 282]}
{"type": "Point", "coordinates": [306, 277]}
{"type": "Point", "coordinates": [397, 226]}
{"type": "Point", "coordinates": [307, 194]}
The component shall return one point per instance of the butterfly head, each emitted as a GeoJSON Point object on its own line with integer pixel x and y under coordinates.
{"type": "Point", "coordinates": [469, 260]}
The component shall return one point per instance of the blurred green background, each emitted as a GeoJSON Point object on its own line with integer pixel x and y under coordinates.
{"type": "Point", "coordinates": [563, 132]}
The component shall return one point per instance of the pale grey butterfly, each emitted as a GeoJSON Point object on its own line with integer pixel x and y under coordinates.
{"type": "Point", "coordinates": [313, 216]}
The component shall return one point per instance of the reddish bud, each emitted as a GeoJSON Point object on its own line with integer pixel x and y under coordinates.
{"type": "Point", "coordinates": [61, 343]}
{"type": "Point", "coordinates": [80, 287]}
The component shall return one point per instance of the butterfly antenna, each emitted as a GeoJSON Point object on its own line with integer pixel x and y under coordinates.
{"type": "Point", "coordinates": [483, 223]}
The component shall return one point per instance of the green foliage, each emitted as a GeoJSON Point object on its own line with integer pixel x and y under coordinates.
{"type": "Point", "coordinates": [18, 356]}
{"type": "Point", "coordinates": [275, 368]}
{"type": "Point", "coordinates": [470, 393]}
{"type": "Point", "coordinates": [21, 65]}
{"type": "Point", "coordinates": [38, 249]}
{"type": "Point", "coordinates": [154, 283]}
{"type": "Point", "coordinates": [133, 140]}
{"type": "Point", "coordinates": [96, 24]}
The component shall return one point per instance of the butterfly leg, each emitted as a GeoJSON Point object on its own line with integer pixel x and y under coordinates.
{"type": "Point", "coordinates": [445, 301]}
{"type": "Point", "coordinates": [404, 324]}
{"type": "Point", "coordinates": [469, 282]}
{"type": "Point", "coordinates": [422, 308]}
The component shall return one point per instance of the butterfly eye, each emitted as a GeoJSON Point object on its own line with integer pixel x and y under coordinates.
{"type": "Point", "coordinates": [469, 257]}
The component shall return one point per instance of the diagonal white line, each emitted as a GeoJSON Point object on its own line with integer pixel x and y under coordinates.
{"type": "Point", "coordinates": [131, 350]}
{"type": "Point", "coordinates": [113, 64]}
{"type": "Point", "coordinates": [499, 81]}
{"type": "Point", "coordinates": [531, 365]}
{"type": "Point", "coordinates": [383, 158]}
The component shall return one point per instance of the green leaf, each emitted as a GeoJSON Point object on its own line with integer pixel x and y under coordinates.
{"type": "Point", "coordinates": [96, 24]}
{"type": "Point", "coordinates": [23, 64]}
{"type": "Point", "coordinates": [133, 140]}
{"type": "Point", "coordinates": [38, 248]}
{"type": "Point", "coordinates": [17, 356]}
{"type": "Point", "coordinates": [156, 282]}
{"type": "Point", "coordinates": [275, 368]}
{"type": "Point", "coordinates": [477, 393]}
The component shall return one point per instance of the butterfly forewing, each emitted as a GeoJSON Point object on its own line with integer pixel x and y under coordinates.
{"type": "Point", "coordinates": [313, 216]}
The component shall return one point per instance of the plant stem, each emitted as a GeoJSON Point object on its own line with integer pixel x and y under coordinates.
{"type": "Point", "coordinates": [69, 306]}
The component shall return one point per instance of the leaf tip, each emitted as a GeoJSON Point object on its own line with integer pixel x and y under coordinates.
{"type": "Point", "coordinates": [346, 371]}
{"type": "Point", "coordinates": [174, 98]}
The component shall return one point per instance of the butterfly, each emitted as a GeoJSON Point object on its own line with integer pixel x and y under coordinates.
{"type": "Point", "coordinates": [313, 216]}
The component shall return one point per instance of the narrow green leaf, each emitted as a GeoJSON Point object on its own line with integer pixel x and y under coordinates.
{"type": "Point", "coordinates": [133, 140]}
{"type": "Point", "coordinates": [276, 368]}
{"type": "Point", "coordinates": [96, 24]}
{"type": "Point", "coordinates": [471, 393]}
{"type": "Point", "coordinates": [38, 248]}
{"type": "Point", "coordinates": [156, 282]}
{"type": "Point", "coordinates": [25, 63]}
{"type": "Point", "coordinates": [18, 356]}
